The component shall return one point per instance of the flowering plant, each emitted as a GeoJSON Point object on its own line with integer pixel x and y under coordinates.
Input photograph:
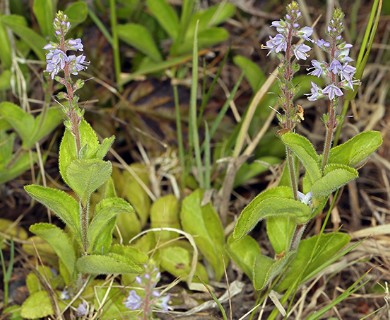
{"type": "Point", "coordinates": [85, 248]}
{"type": "Point", "coordinates": [287, 210]}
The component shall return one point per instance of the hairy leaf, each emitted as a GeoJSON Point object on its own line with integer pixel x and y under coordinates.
{"type": "Point", "coordinates": [85, 176]}
{"type": "Point", "coordinates": [306, 153]}
{"type": "Point", "coordinates": [357, 149]}
{"type": "Point", "coordinates": [335, 176]}
{"type": "Point", "coordinates": [59, 241]}
{"type": "Point", "coordinates": [62, 204]}
{"type": "Point", "coordinates": [107, 264]}
{"type": "Point", "coordinates": [249, 217]}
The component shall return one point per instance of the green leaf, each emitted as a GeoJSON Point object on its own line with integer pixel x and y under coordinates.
{"type": "Point", "coordinates": [153, 67]}
{"type": "Point", "coordinates": [19, 26]}
{"type": "Point", "coordinates": [59, 241]}
{"type": "Point", "coordinates": [165, 15]}
{"type": "Point", "coordinates": [210, 17]}
{"type": "Point", "coordinates": [5, 52]}
{"type": "Point", "coordinates": [165, 213]}
{"type": "Point", "coordinates": [44, 12]}
{"type": "Point", "coordinates": [77, 12]}
{"type": "Point", "coordinates": [140, 38]}
{"type": "Point", "coordinates": [206, 38]}
{"type": "Point", "coordinates": [107, 264]}
{"type": "Point", "coordinates": [7, 146]}
{"type": "Point", "coordinates": [249, 217]}
{"type": "Point", "coordinates": [32, 281]}
{"type": "Point", "coordinates": [86, 175]}
{"type": "Point", "coordinates": [251, 170]}
{"type": "Point", "coordinates": [314, 254]}
{"type": "Point", "coordinates": [37, 305]}
{"type": "Point", "coordinates": [45, 123]}
{"type": "Point", "coordinates": [104, 147]}
{"type": "Point", "coordinates": [129, 187]}
{"type": "Point", "coordinates": [11, 229]}
{"type": "Point", "coordinates": [23, 162]}
{"type": "Point", "coordinates": [29, 129]}
{"type": "Point", "coordinates": [335, 176]}
{"type": "Point", "coordinates": [252, 71]}
{"type": "Point", "coordinates": [177, 261]}
{"type": "Point", "coordinates": [305, 152]}
{"type": "Point", "coordinates": [5, 81]}
{"type": "Point", "coordinates": [89, 143]}
{"type": "Point", "coordinates": [103, 222]}
{"type": "Point", "coordinates": [21, 121]}
{"type": "Point", "coordinates": [204, 224]}
{"type": "Point", "coordinates": [266, 269]}
{"type": "Point", "coordinates": [130, 252]}
{"type": "Point", "coordinates": [357, 149]}
{"type": "Point", "coordinates": [280, 231]}
{"type": "Point", "coordinates": [244, 253]}
{"type": "Point", "coordinates": [187, 10]}
{"type": "Point", "coordinates": [62, 204]}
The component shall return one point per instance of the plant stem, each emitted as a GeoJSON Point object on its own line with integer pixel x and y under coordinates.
{"type": "Point", "coordinates": [289, 111]}
{"type": "Point", "coordinates": [331, 124]}
{"type": "Point", "coordinates": [75, 120]}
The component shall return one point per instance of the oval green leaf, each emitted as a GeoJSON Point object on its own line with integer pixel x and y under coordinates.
{"type": "Point", "coordinates": [140, 38]}
{"type": "Point", "coordinates": [165, 15]}
{"type": "Point", "coordinates": [87, 175]}
{"type": "Point", "coordinates": [204, 224]}
{"type": "Point", "coordinates": [60, 242]}
{"type": "Point", "coordinates": [244, 253]}
{"type": "Point", "coordinates": [107, 264]}
{"type": "Point", "coordinates": [62, 204]}
{"type": "Point", "coordinates": [335, 176]}
{"type": "Point", "coordinates": [314, 254]}
{"type": "Point", "coordinates": [103, 222]}
{"type": "Point", "coordinates": [249, 217]}
{"type": "Point", "coordinates": [305, 152]}
{"type": "Point", "coordinates": [357, 149]}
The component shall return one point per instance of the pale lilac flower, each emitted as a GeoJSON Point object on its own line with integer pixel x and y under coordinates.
{"type": "Point", "coordinates": [342, 52]}
{"type": "Point", "coordinates": [56, 60]}
{"type": "Point", "coordinates": [138, 279]}
{"type": "Point", "coordinates": [82, 309]}
{"type": "Point", "coordinates": [276, 44]}
{"type": "Point", "coordinates": [77, 64]}
{"type": "Point", "coordinates": [323, 44]}
{"type": "Point", "coordinates": [64, 295]}
{"type": "Point", "coordinates": [347, 72]}
{"type": "Point", "coordinates": [305, 198]}
{"type": "Point", "coordinates": [133, 301]}
{"type": "Point", "coordinates": [50, 46]}
{"type": "Point", "coordinates": [315, 94]}
{"type": "Point", "coordinates": [74, 44]}
{"type": "Point", "coordinates": [332, 90]}
{"type": "Point", "coordinates": [300, 51]}
{"type": "Point", "coordinates": [163, 302]}
{"type": "Point", "coordinates": [335, 66]}
{"type": "Point", "coordinates": [280, 25]}
{"type": "Point", "coordinates": [318, 68]}
{"type": "Point", "coordinates": [305, 33]}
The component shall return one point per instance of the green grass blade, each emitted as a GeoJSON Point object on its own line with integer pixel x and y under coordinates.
{"type": "Point", "coordinates": [194, 135]}
{"type": "Point", "coordinates": [115, 43]}
{"type": "Point", "coordinates": [352, 288]}
{"type": "Point", "coordinates": [100, 25]}
{"type": "Point", "coordinates": [207, 159]}
{"type": "Point", "coordinates": [179, 132]}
